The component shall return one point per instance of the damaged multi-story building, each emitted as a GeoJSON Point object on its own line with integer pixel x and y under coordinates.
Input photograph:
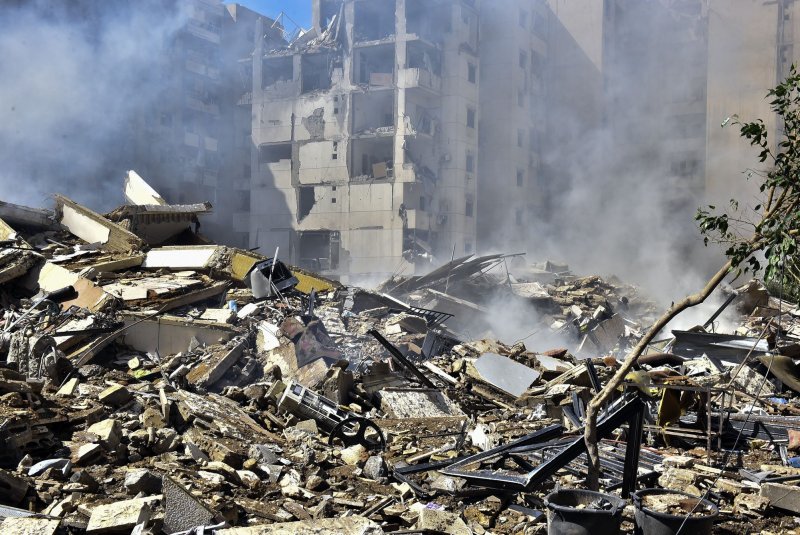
{"type": "Point", "coordinates": [393, 132]}
{"type": "Point", "coordinates": [366, 137]}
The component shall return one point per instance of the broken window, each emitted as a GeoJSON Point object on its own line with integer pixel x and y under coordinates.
{"type": "Point", "coordinates": [537, 62]}
{"type": "Point", "coordinates": [374, 65]}
{"type": "Point", "coordinates": [319, 250]}
{"type": "Point", "coordinates": [372, 157]}
{"type": "Point", "coordinates": [470, 117]}
{"type": "Point", "coordinates": [305, 202]}
{"type": "Point", "coordinates": [274, 152]}
{"type": "Point", "coordinates": [374, 19]}
{"type": "Point", "coordinates": [316, 70]}
{"type": "Point", "coordinates": [274, 70]}
{"type": "Point", "coordinates": [427, 19]}
{"type": "Point", "coordinates": [423, 56]}
{"type": "Point", "coordinates": [373, 110]}
{"type": "Point", "coordinates": [472, 71]}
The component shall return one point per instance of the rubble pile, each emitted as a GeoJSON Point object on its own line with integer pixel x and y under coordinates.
{"type": "Point", "coordinates": [154, 382]}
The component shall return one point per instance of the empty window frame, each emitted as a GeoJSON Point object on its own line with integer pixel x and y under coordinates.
{"type": "Point", "coordinates": [276, 70]}
{"type": "Point", "coordinates": [274, 152]}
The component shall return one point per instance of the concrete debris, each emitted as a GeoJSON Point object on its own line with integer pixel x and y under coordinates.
{"type": "Point", "coordinates": [153, 388]}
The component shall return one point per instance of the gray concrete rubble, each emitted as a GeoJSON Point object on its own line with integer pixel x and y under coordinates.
{"type": "Point", "coordinates": [153, 382]}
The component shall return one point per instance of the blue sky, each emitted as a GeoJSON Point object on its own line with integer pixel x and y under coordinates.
{"type": "Point", "coordinates": [298, 10]}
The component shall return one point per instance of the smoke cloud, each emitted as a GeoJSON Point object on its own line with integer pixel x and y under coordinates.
{"type": "Point", "coordinates": [76, 77]}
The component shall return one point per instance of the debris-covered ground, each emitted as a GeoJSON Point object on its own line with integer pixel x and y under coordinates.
{"type": "Point", "coordinates": [152, 382]}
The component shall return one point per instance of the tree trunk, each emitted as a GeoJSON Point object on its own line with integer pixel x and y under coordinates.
{"type": "Point", "coordinates": [590, 430]}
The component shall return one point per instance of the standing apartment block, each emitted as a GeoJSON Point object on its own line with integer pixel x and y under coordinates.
{"type": "Point", "coordinates": [365, 137]}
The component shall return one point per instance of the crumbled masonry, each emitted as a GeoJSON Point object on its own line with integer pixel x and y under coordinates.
{"type": "Point", "coordinates": [153, 382]}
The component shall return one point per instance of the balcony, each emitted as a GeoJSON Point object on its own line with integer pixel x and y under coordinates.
{"type": "Point", "coordinates": [196, 104]}
{"type": "Point", "coordinates": [412, 78]}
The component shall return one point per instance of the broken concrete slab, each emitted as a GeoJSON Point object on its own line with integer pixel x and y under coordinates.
{"type": "Point", "coordinates": [170, 335]}
{"type": "Point", "coordinates": [351, 525]}
{"type": "Point", "coordinates": [417, 403]}
{"type": "Point", "coordinates": [92, 227]}
{"type": "Point", "coordinates": [786, 497]}
{"type": "Point", "coordinates": [29, 526]}
{"type": "Point", "coordinates": [121, 516]}
{"type": "Point", "coordinates": [506, 374]}
{"type": "Point", "coordinates": [138, 191]}
{"type": "Point", "coordinates": [157, 224]}
{"type": "Point", "coordinates": [212, 369]}
{"type": "Point", "coordinates": [12, 488]}
{"type": "Point", "coordinates": [439, 521]}
{"type": "Point", "coordinates": [16, 260]}
{"type": "Point", "coordinates": [49, 277]}
{"type": "Point", "coordinates": [16, 214]}
{"type": "Point", "coordinates": [109, 432]}
{"type": "Point", "coordinates": [116, 395]}
{"type": "Point", "coordinates": [142, 480]}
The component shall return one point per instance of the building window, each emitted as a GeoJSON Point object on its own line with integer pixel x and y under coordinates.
{"type": "Point", "coordinates": [467, 247]}
{"type": "Point", "coordinates": [470, 118]}
{"type": "Point", "coordinates": [470, 162]}
{"type": "Point", "coordinates": [523, 18]}
{"type": "Point", "coordinates": [520, 138]}
{"type": "Point", "coordinates": [520, 177]}
{"type": "Point", "coordinates": [468, 208]}
{"type": "Point", "coordinates": [472, 72]}
{"type": "Point", "coordinates": [246, 171]}
{"type": "Point", "coordinates": [523, 59]}
{"type": "Point", "coordinates": [422, 204]}
{"type": "Point", "coordinates": [518, 216]}
{"type": "Point", "coordinates": [521, 98]}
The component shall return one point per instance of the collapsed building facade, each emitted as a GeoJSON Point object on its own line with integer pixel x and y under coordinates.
{"type": "Point", "coordinates": [367, 137]}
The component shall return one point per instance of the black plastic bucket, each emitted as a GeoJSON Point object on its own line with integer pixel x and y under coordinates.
{"type": "Point", "coordinates": [649, 522]}
{"type": "Point", "coordinates": [565, 518]}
